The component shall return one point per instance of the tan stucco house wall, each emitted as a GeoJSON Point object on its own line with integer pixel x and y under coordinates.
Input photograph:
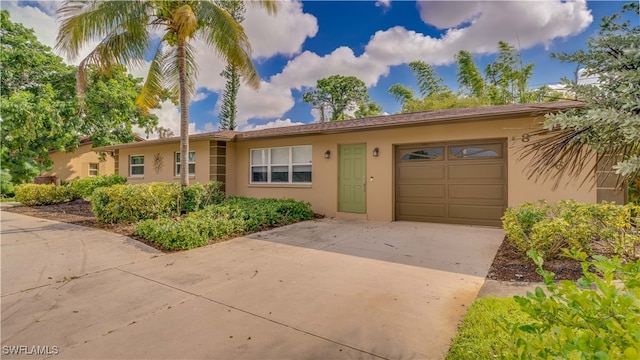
{"type": "Point", "coordinates": [323, 192]}
{"type": "Point", "coordinates": [226, 156]}
{"type": "Point", "coordinates": [68, 166]}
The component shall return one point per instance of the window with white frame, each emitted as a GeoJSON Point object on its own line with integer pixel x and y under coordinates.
{"type": "Point", "coordinates": [93, 169]}
{"type": "Point", "coordinates": [136, 165]}
{"type": "Point", "coordinates": [192, 163]}
{"type": "Point", "coordinates": [281, 165]}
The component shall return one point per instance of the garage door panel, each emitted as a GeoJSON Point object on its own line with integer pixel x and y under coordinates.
{"type": "Point", "coordinates": [471, 172]}
{"type": "Point", "coordinates": [477, 192]}
{"type": "Point", "coordinates": [476, 212]}
{"type": "Point", "coordinates": [434, 191]}
{"type": "Point", "coordinates": [423, 210]}
{"type": "Point", "coordinates": [466, 183]}
{"type": "Point", "coordinates": [421, 173]}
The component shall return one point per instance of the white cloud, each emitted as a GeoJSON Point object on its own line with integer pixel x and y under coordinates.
{"type": "Point", "coordinates": [209, 127]}
{"type": "Point", "coordinates": [169, 117]}
{"type": "Point", "coordinates": [271, 124]}
{"type": "Point", "coordinates": [199, 96]}
{"type": "Point", "coordinates": [269, 101]}
{"type": "Point", "coordinates": [42, 23]}
{"type": "Point", "coordinates": [386, 4]}
{"type": "Point", "coordinates": [282, 33]}
{"type": "Point", "coordinates": [308, 67]}
{"type": "Point", "coordinates": [473, 26]}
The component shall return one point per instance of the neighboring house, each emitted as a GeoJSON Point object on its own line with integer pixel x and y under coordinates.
{"type": "Point", "coordinates": [453, 166]}
{"type": "Point", "coordinates": [78, 163]}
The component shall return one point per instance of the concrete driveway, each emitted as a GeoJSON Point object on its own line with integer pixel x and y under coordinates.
{"type": "Point", "coordinates": [327, 289]}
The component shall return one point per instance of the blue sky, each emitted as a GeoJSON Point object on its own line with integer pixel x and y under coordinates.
{"type": "Point", "coordinates": [373, 40]}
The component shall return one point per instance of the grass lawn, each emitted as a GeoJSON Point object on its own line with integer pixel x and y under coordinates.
{"type": "Point", "coordinates": [7, 199]}
{"type": "Point", "coordinates": [481, 334]}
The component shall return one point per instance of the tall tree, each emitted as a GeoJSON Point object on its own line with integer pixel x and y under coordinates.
{"type": "Point", "coordinates": [229, 109]}
{"type": "Point", "coordinates": [124, 30]}
{"type": "Point", "coordinates": [428, 80]}
{"type": "Point", "coordinates": [508, 77]}
{"type": "Point", "coordinates": [401, 93]}
{"type": "Point", "coordinates": [40, 110]}
{"type": "Point", "coordinates": [609, 125]}
{"type": "Point", "coordinates": [469, 77]}
{"type": "Point", "coordinates": [339, 97]}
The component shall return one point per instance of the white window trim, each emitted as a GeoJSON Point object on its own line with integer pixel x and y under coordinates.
{"type": "Point", "coordinates": [97, 169]}
{"type": "Point", "coordinates": [131, 166]}
{"type": "Point", "coordinates": [176, 162]}
{"type": "Point", "coordinates": [268, 165]}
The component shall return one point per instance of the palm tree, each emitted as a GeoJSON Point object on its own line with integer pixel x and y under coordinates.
{"type": "Point", "coordinates": [125, 32]}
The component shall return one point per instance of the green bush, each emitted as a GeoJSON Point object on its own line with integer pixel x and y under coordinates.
{"type": "Point", "coordinates": [481, 336]}
{"type": "Point", "coordinates": [548, 229]}
{"type": "Point", "coordinates": [259, 214]}
{"type": "Point", "coordinates": [40, 194]}
{"type": "Point", "coordinates": [596, 318]}
{"type": "Point", "coordinates": [7, 188]}
{"type": "Point", "coordinates": [132, 203]}
{"type": "Point", "coordinates": [236, 216]}
{"type": "Point", "coordinates": [83, 188]}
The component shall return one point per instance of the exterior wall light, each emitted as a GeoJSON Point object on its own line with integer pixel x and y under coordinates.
{"type": "Point", "coordinates": [327, 154]}
{"type": "Point", "coordinates": [376, 152]}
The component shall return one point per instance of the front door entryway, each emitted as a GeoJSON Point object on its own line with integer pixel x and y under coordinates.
{"type": "Point", "coordinates": [352, 178]}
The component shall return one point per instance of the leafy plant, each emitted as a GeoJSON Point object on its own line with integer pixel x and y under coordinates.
{"type": "Point", "coordinates": [41, 194]}
{"type": "Point", "coordinates": [596, 318]}
{"type": "Point", "coordinates": [83, 188]}
{"type": "Point", "coordinates": [132, 203]}
{"type": "Point", "coordinates": [236, 216]}
{"type": "Point", "coordinates": [6, 186]}
{"type": "Point", "coordinates": [548, 229]}
{"type": "Point", "coordinates": [480, 336]}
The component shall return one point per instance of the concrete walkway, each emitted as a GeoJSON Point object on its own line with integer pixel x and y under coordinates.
{"type": "Point", "coordinates": [325, 289]}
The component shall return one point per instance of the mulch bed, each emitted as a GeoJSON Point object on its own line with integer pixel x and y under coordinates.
{"type": "Point", "coordinates": [77, 212]}
{"type": "Point", "coordinates": [508, 265]}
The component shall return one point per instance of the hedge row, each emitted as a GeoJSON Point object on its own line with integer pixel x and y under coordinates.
{"type": "Point", "coordinates": [236, 216]}
{"type": "Point", "coordinates": [132, 203]}
{"type": "Point", "coordinates": [41, 194]}
{"type": "Point", "coordinates": [548, 229]}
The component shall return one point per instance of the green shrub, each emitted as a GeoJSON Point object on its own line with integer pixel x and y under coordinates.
{"type": "Point", "coordinates": [481, 336]}
{"type": "Point", "coordinates": [548, 229]}
{"type": "Point", "coordinates": [236, 216]}
{"type": "Point", "coordinates": [83, 188]}
{"type": "Point", "coordinates": [40, 194]}
{"type": "Point", "coordinates": [260, 214]}
{"type": "Point", "coordinates": [596, 318]}
{"type": "Point", "coordinates": [131, 203]}
{"type": "Point", "coordinates": [7, 188]}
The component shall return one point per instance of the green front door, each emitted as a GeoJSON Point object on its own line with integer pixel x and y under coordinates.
{"type": "Point", "coordinates": [352, 182]}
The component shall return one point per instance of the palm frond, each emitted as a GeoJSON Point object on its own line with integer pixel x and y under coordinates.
{"type": "Point", "coordinates": [560, 153]}
{"type": "Point", "coordinates": [83, 21]}
{"type": "Point", "coordinates": [154, 85]}
{"type": "Point", "coordinates": [269, 5]}
{"type": "Point", "coordinates": [227, 38]}
{"type": "Point", "coordinates": [172, 73]}
{"type": "Point", "coordinates": [120, 27]}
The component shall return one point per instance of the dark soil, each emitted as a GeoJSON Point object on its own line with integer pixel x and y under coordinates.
{"type": "Point", "coordinates": [76, 212]}
{"type": "Point", "coordinates": [508, 265]}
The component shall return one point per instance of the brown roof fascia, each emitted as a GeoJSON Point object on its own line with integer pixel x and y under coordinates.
{"type": "Point", "coordinates": [219, 136]}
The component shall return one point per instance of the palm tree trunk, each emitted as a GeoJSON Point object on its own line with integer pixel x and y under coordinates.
{"type": "Point", "coordinates": [184, 113]}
